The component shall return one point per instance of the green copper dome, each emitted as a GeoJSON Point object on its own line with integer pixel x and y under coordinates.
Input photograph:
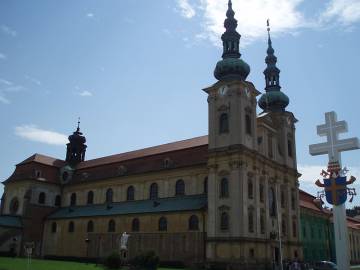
{"type": "Point", "coordinates": [231, 68]}
{"type": "Point", "coordinates": [276, 100]}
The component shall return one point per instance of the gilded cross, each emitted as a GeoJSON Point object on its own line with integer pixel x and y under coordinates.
{"type": "Point", "coordinates": [333, 147]}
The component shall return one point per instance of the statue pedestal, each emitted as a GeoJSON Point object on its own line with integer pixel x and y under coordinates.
{"type": "Point", "coordinates": [341, 237]}
{"type": "Point", "coordinates": [124, 255]}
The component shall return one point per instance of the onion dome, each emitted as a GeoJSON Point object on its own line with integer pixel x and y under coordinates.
{"type": "Point", "coordinates": [231, 66]}
{"type": "Point", "coordinates": [273, 100]}
{"type": "Point", "coordinates": [76, 147]}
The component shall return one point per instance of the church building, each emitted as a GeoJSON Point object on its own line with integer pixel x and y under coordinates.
{"type": "Point", "coordinates": [225, 198]}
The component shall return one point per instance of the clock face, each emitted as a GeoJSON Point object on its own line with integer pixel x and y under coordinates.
{"type": "Point", "coordinates": [223, 90]}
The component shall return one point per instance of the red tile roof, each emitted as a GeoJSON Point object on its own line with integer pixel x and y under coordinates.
{"type": "Point", "coordinates": [46, 160]}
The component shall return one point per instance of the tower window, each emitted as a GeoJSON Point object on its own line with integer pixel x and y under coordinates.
{"type": "Point", "coordinates": [272, 202]}
{"type": "Point", "coordinates": [111, 226]}
{"type": "Point", "coordinates": [53, 227]}
{"type": "Point", "coordinates": [224, 221]}
{"type": "Point", "coordinates": [193, 223]}
{"type": "Point", "coordinates": [162, 224]}
{"type": "Point", "coordinates": [251, 220]}
{"type": "Point", "coordinates": [250, 188]}
{"type": "Point", "coordinates": [42, 198]}
{"type": "Point", "coordinates": [14, 206]}
{"type": "Point", "coordinates": [135, 226]}
{"type": "Point", "coordinates": [290, 151]}
{"type": "Point", "coordinates": [179, 187]}
{"type": "Point", "coordinates": [90, 197]}
{"type": "Point", "coordinates": [71, 227]}
{"type": "Point", "coordinates": [73, 199]}
{"type": "Point", "coordinates": [206, 185]}
{"type": "Point", "coordinates": [262, 222]}
{"type": "Point", "coordinates": [130, 193]}
{"type": "Point", "coordinates": [58, 200]}
{"type": "Point", "coordinates": [224, 123]}
{"type": "Point", "coordinates": [248, 124]}
{"type": "Point", "coordinates": [224, 188]}
{"type": "Point", "coordinates": [153, 191]}
{"type": "Point", "coordinates": [109, 195]}
{"type": "Point", "coordinates": [90, 226]}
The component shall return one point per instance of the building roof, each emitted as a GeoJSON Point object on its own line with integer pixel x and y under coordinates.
{"type": "Point", "coordinates": [10, 221]}
{"type": "Point", "coordinates": [172, 204]}
{"type": "Point", "coordinates": [155, 150]}
{"type": "Point", "coordinates": [46, 160]}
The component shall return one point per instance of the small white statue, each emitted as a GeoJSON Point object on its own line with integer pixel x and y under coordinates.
{"type": "Point", "coordinates": [123, 241]}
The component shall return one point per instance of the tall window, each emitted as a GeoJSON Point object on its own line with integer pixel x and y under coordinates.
{"type": "Point", "coordinates": [272, 202]}
{"type": "Point", "coordinates": [251, 220]}
{"type": "Point", "coordinates": [206, 185]}
{"type": "Point", "coordinates": [130, 193]}
{"type": "Point", "coordinates": [53, 227]}
{"type": "Point", "coordinates": [283, 225]}
{"type": "Point", "coordinates": [224, 221]}
{"type": "Point", "coordinates": [294, 228]}
{"type": "Point", "coordinates": [262, 222]}
{"type": "Point", "coordinates": [179, 188]}
{"type": "Point", "coordinates": [224, 123]}
{"type": "Point", "coordinates": [290, 151]}
{"type": "Point", "coordinates": [73, 199]}
{"type": "Point", "coordinates": [224, 188]}
{"type": "Point", "coordinates": [111, 226]}
{"type": "Point", "coordinates": [162, 224]}
{"type": "Point", "coordinates": [42, 198]}
{"type": "Point", "coordinates": [109, 195]}
{"type": "Point", "coordinates": [58, 200]}
{"type": "Point", "coordinates": [135, 225]}
{"type": "Point", "coordinates": [153, 191]}
{"type": "Point", "coordinates": [71, 227]}
{"type": "Point", "coordinates": [248, 124]}
{"type": "Point", "coordinates": [193, 223]}
{"type": "Point", "coordinates": [261, 192]}
{"type": "Point", "coordinates": [14, 206]}
{"type": "Point", "coordinates": [90, 197]}
{"type": "Point", "coordinates": [250, 188]}
{"type": "Point", "coordinates": [90, 226]}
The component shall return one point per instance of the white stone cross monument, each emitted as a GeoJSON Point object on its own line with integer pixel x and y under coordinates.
{"type": "Point", "coordinates": [333, 147]}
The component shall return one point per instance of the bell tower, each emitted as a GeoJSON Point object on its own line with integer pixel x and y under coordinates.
{"type": "Point", "coordinates": [76, 148]}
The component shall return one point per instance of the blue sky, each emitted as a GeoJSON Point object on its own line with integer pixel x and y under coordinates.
{"type": "Point", "coordinates": [133, 71]}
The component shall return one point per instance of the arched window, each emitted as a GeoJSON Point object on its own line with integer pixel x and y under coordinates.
{"type": "Point", "coordinates": [251, 220]}
{"type": "Point", "coordinates": [162, 224]}
{"type": "Point", "coordinates": [179, 188]}
{"type": "Point", "coordinates": [224, 188]}
{"type": "Point", "coordinates": [224, 221]}
{"type": "Point", "coordinates": [248, 124]}
{"type": "Point", "coordinates": [135, 226]}
{"type": "Point", "coordinates": [90, 197]}
{"type": "Point", "coordinates": [130, 193]}
{"type": "Point", "coordinates": [42, 198]}
{"type": "Point", "coordinates": [73, 199]}
{"type": "Point", "coordinates": [14, 206]}
{"type": "Point", "coordinates": [193, 223]}
{"type": "Point", "coordinates": [206, 185]}
{"type": "Point", "coordinates": [153, 191]}
{"type": "Point", "coordinates": [53, 227]}
{"type": "Point", "coordinates": [111, 226]}
{"type": "Point", "coordinates": [90, 226]}
{"type": "Point", "coordinates": [283, 225]}
{"type": "Point", "coordinates": [71, 227]}
{"type": "Point", "coordinates": [58, 200]}
{"type": "Point", "coordinates": [290, 152]}
{"type": "Point", "coordinates": [224, 123]}
{"type": "Point", "coordinates": [109, 195]}
{"type": "Point", "coordinates": [272, 202]}
{"type": "Point", "coordinates": [250, 188]}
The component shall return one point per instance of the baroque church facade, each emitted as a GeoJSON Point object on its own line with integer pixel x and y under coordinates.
{"type": "Point", "coordinates": [227, 197]}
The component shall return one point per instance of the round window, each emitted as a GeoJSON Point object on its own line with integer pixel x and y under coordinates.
{"type": "Point", "coordinates": [14, 206]}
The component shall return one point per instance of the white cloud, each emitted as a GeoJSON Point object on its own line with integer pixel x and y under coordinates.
{"type": "Point", "coordinates": [310, 173]}
{"type": "Point", "coordinates": [2, 56]}
{"type": "Point", "coordinates": [8, 31]}
{"type": "Point", "coordinates": [85, 93]}
{"type": "Point", "coordinates": [33, 133]}
{"type": "Point", "coordinates": [186, 10]}
{"type": "Point", "coordinates": [343, 11]}
{"type": "Point", "coordinates": [4, 100]}
{"type": "Point", "coordinates": [5, 82]}
{"type": "Point", "coordinates": [90, 15]}
{"type": "Point", "coordinates": [33, 80]}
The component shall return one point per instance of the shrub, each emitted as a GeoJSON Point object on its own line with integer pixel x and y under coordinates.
{"type": "Point", "coordinates": [113, 261]}
{"type": "Point", "coordinates": [146, 261]}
